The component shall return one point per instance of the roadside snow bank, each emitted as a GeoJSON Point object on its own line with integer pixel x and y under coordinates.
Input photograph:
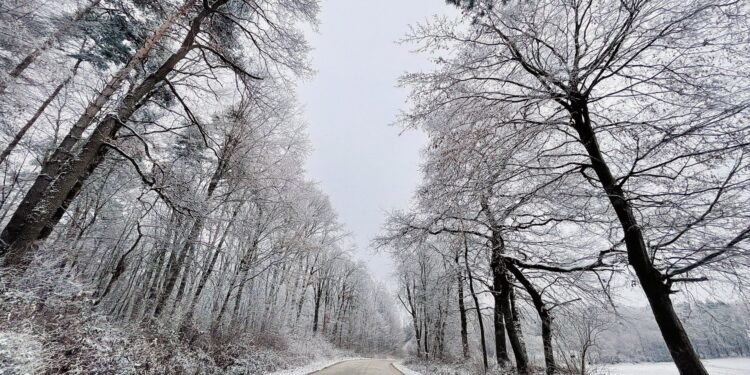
{"type": "Point", "coordinates": [721, 366]}
{"type": "Point", "coordinates": [407, 371]}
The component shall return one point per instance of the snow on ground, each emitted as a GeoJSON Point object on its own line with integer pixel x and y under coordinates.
{"type": "Point", "coordinates": [314, 366]}
{"type": "Point", "coordinates": [19, 354]}
{"type": "Point", "coordinates": [401, 367]}
{"type": "Point", "coordinates": [723, 366]}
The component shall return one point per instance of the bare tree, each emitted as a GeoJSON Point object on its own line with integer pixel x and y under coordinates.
{"type": "Point", "coordinates": [610, 88]}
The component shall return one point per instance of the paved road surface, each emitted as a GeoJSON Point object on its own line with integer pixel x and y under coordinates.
{"type": "Point", "coordinates": [361, 367]}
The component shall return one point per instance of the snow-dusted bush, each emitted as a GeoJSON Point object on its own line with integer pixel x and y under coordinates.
{"type": "Point", "coordinates": [50, 325]}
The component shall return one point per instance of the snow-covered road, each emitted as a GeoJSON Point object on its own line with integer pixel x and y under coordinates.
{"type": "Point", "coordinates": [361, 367]}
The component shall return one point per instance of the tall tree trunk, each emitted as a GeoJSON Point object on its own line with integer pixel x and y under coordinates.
{"type": "Point", "coordinates": [224, 303]}
{"type": "Point", "coordinates": [188, 252]}
{"type": "Point", "coordinates": [499, 279]}
{"type": "Point", "coordinates": [652, 281]}
{"type": "Point", "coordinates": [318, 294]}
{"type": "Point", "coordinates": [22, 226]}
{"type": "Point", "coordinates": [462, 309]}
{"type": "Point", "coordinates": [244, 269]}
{"type": "Point", "coordinates": [501, 349]}
{"type": "Point", "coordinates": [120, 267]}
{"type": "Point", "coordinates": [583, 361]}
{"type": "Point", "coordinates": [209, 269]}
{"type": "Point", "coordinates": [513, 327]}
{"type": "Point", "coordinates": [477, 307]}
{"type": "Point", "coordinates": [174, 265]}
{"type": "Point", "coordinates": [414, 318]}
{"type": "Point", "coordinates": [544, 316]}
{"type": "Point", "coordinates": [31, 223]}
{"type": "Point", "coordinates": [326, 303]}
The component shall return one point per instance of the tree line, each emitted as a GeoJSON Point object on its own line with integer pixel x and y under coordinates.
{"type": "Point", "coordinates": [154, 152]}
{"type": "Point", "coordinates": [576, 149]}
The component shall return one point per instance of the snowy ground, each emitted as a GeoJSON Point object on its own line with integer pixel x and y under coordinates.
{"type": "Point", "coordinates": [400, 366]}
{"type": "Point", "coordinates": [724, 366]}
{"type": "Point", "coordinates": [19, 353]}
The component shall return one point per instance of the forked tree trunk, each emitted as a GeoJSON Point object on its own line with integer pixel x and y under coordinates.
{"type": "Point", "coordinates": [513, 327]}
{"type": "Point", "coordinates": [499, 280]}
{"type": "Point", "coordinates": [652, 281]}
{"type": "Point", "coordinates": [503, 295]}
{"type": "Point", "coordinates": [544, 316]}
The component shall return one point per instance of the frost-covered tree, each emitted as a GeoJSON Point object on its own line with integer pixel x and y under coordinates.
{"type": "Point", "coordinates": [642, 101]}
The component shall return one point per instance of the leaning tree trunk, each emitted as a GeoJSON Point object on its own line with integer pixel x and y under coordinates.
{"type": "Point", "coordinates": [513, 327]}
{"type": "Point", "coordinates": [652, 281]}
{"type": "Point", "coordinates": [196, 230]}
{"type": "Point", "coordinates": [25, 229]}
{"type": "Point", "coordinates": [209, 269]}
{"type": "Point", "coordinates": [544, 316]}
{"type": "Point", "coordinates": [21, 225]}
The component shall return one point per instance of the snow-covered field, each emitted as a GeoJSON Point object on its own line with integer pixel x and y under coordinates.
{"type": "Point", "coordinates": [724, 366]}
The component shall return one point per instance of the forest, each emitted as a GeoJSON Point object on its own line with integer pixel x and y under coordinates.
{"type": "Point", "coordinates": [583, 194]}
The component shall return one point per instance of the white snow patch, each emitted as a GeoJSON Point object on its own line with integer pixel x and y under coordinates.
{"type": "Point", "coordinates": [314, 366]}
{"type": "Point", "coordinates": [723, 366]}
{"type": "Point", "coordinates": [20, 354]}
{"type": "Point", "coordinates": [407, 371]}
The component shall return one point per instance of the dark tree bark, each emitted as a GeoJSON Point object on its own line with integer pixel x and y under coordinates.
{"type": "Point", "coordinates": [544, 316]}
{"type": "Point", "coordinates": [33, 222]}
{"type": "Point", "coordinates": [504, 316]}
{"type": "Point", "coordinates": [652, 280]}
{"type": "Point", "coordinates": [412, 310]}
{"type": "Point", "coordinates": [318, 294]}
{"type": "Point", "coordinates": [513, 327]}
{"type": "Point", "coordinates": [476, 305]}
{"type": "Point", "coordinates": [462, 308]}
{"type": "Point", "coordinates": [28, 222]}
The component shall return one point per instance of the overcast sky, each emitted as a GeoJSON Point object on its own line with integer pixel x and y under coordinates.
{"type": "Point", "coordinates": [361, 162]}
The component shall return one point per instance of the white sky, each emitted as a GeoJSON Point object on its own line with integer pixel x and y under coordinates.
{"type": "Point", "coordinates": [361, 162]}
